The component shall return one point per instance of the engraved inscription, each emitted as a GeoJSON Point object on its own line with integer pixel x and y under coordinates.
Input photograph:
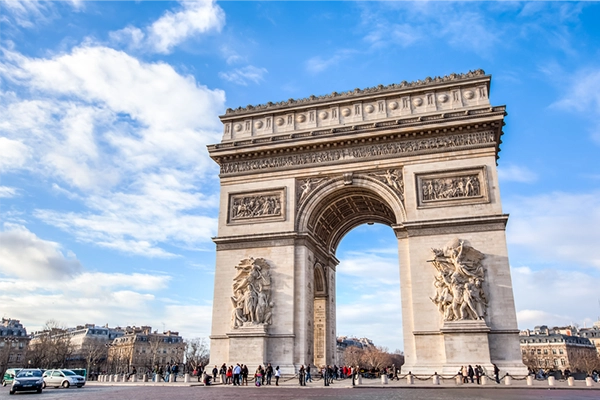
{"type": "Point", "coordinates": [360, 152]}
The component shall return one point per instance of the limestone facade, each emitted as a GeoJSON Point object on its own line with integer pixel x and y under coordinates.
{"type": "Point", "coordinates": [419, 157]}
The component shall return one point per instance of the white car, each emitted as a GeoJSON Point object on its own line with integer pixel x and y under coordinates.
{"type": "Point", "coordinates": [62, 378]}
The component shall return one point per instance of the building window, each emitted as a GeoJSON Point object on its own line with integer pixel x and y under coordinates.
{"type": "Point", "coordinates": [18, 357]}
{"type": "Point", "coordinates": [562, 361]}
{"type": "Point", "coordinates": [560, 351]}
{"type": "Point", "coordinates": [545, 351]}
{"type": "Point", "coordinates": [539, 351]}
{"type": "Point", "coordinates": [553, 351]}
{"type": "Point", "coordinates": [556, 362]}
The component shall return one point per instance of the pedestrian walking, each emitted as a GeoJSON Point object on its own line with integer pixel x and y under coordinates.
{"type": "Point", "coordinates": [277, 375]}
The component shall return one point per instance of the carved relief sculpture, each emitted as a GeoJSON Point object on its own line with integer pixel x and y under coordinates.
{"type": "Point", "coordinates": [255, 205]}
{"type": "Point", "coordinates": [392, 178]}
{"type": "Point", "coordinates": [251, 298]}
{"type": "Point", "coordinates": [459, 282]}
{"type": "Point", "coordinates": [304, 187]}
{"type": "Point", "coordinates": [450, 188]}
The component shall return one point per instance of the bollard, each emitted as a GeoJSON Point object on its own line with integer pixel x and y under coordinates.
{"type": "Point", "coordinates": [459, 379]}
{"type": "Point", "coordinates": [186, 378]}
{"type": "Point", "coordinates": [124, 378]}
{"type": "Point", "coordinates": [436, 379]}
{"type": "Point", "coordinates": [529, 380]}
{"type": "Point", "coordinates": [551, 381]}
{"type": "Point", "coordinates": [410, 380]}
{"type": "Point", "coordinates": [134, 378]}
{"type": "Point", "coordinates": [589, 381]}
{"type": "Point", "coordinates": [158, 378]}
{"type": "Point", "coordinates": [507, 380]}
{"type": "Point", "coordinates": [145, 378]}
{"type": "Point", "coordinates": [484, 380]}
{"type": "Point", "coordinates": [571, 381]}
{"type": "Point", "coordinates": [384, 379]}
{"type": "Point", "coordinates": [358, 379]}
{"type": "Point", "coordinates": [107, 378]}
{"type": "Point", "coordinates": [172, 378]}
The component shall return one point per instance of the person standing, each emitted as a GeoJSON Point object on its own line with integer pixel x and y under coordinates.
{"type": "Point", "coordinates": [175, 371]}
{"type": "Point", "coordinates": [223, 373]}
{"type": "Point", "coordinates": [302, 376]}
{"type": "Point", "coordinates": [215, 371]}
{"type": "Point", "coordinates": [245, 375]}
{"type": "Point", "coordinates": [237, 370]}
{"type": "Point", "coordinates": [465, 374]}
{"type": "Point", "coordinates": [471, 373]}
{"type": "Point", "coordinates": [269, 373]}
{"type": "Point", "coordinates": [496, 373]}
{"type": "Point", "coordinates": [277, 375]}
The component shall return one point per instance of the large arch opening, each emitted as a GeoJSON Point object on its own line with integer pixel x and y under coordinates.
{"type": "Point", "coordinates": [351, 226]}
{"type": "Point", "coordinates": [368, 302]}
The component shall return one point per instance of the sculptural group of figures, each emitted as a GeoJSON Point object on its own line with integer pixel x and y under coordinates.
{"type": "Point", "coordinates": [255, 206]}
{"type": "Point", "coordinates": [252, 303]}
{"type": "Point", "coordinates": [459, 282]}
{"type": "Point", "coordinates": [449, 188]}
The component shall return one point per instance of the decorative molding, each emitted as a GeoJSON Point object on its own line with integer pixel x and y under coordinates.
{"type": "Point", "coordinates": [359, 153]}
{"type": "Point", "coordinates": [452, 188]}
{"type": "Point", "coordinates": [451, 226]}
{"type": "Point", "coordinates": [260, 206]}
{"type": "Point", "coordinates": [380, 89]}
{"type": "Point", "coordinates": [459, 293]}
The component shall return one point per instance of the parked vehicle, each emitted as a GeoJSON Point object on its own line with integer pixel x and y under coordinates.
{"type": "Point", "coordinates": [80, 372]}
{"type": "Point", "coordinates": [9, 375]}
{"type": "Point", "coordinates": [27, 380]}
{"type": "Point", "coordinates": [63, 378]}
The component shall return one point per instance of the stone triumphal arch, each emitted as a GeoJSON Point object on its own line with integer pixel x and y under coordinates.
{"type": "Point", "coordinates": [296, 176]}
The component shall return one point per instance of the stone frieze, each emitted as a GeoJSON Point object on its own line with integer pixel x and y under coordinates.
{"type": "Point", "coordinates": [257, 205]}
{"type": "Point", "coordinates": [439, 143]}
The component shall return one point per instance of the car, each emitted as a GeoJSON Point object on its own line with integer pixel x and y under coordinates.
{"type": "Point", "coordinates": [9, 375]}
{"type": "Point", "coordinates": [63, 378]}
{"type": "Point", "coordinates": [27, 380]}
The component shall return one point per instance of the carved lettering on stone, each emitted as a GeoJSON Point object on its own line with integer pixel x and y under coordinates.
{"type": "Point", "coordinates": [392, 178]}
{"type": "Point", "coordinates": [251, 300]}
{"type": "Point", "coordinates": [459, 293]}
{"type": "Point", "coordinates": [439, 143]}
{"type": "Point", "coordinates": [251, 206]}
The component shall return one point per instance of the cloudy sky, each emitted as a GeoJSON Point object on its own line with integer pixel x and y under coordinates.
{"type": "Point", "coordinates": [108, 199]}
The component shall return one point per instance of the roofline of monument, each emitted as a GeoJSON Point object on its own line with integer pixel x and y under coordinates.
{"type": "Point", "coordinates": [361, 94]}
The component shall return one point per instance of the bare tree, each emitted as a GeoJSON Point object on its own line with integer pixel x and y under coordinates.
{"type": "Point", "coordinates": [353, 356]}
{"type": "Point", "coordinates": [376, 357]}
{"type": "Point", "coordinates": [587, 362]}
{"type": "Point", "coordinates": [94, 352]}
{"type": "Point", "coordinates": [196, 353]}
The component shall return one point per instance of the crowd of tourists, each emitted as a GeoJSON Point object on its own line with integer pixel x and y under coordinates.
{"type": "Point", "coordinates": [239, 375]}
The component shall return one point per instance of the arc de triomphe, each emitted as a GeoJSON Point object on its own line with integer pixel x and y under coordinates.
{"type": "Point", "coordinates": [298, 175]}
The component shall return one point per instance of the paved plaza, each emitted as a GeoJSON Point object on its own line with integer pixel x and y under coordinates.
{"type": "Point", "coordinates": [339, 390]}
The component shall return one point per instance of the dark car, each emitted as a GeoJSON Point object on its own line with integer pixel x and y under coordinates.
{"type": "Point", "coordinates": [27, 380]}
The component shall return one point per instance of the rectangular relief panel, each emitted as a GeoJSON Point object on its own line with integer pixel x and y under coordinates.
{"type": "Point", "coordinates": [257, 206]}
{"type": "Point", "coordinates": [452, 188]}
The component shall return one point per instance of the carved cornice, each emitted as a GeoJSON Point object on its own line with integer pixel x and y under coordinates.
{"type": "Point", "coordinates": [376, 150]}
{"type": "Point", "coordinates": [380, 89]}
{"type": "Point", "coordinates": [415, 124]}
{"type": "Point", "coordinates": [451, 226]}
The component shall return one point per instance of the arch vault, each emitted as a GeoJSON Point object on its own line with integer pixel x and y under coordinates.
{"type": "Point", "coordinates": [297, 176]}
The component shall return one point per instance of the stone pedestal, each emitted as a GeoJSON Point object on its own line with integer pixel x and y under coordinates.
{"type": "Point", "coordinates": [459, 380]}
{"type": "Point", "coordinates": [171, 377]}
{"type": "Point", "coordinates": [145, 378]}
{"type": "Point", "coordinates": [507, 380]}
{"type": "Point", "coordinates": [465, 343]}
{"type": "Point", "coordinates": [248, 344]}
{"type": "Point", "coordinates": [484, 380]}
{"type": "Point", "coordinates": [551, 381]}
{"type": "Point", "coordinates": [134, 378]}
{"type": "Point", "coordinates": [436, 379]}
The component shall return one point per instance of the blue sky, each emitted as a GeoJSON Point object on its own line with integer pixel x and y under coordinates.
{"type": "Point", "coordinates": [108, 198]}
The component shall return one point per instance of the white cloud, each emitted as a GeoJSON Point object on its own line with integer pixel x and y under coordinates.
{"type": "Point", "coordinates": [24, 255]}
{"type": "Point", "coordinates": [242, 76]}
{"type": "Point", "coordinates": [172, 28]}
{"type": "Point", "coordinates": [319, 64]}
{"type": "Point", "coordinates": [583, 91]}
{"type": "Point", "coordinates": [556, 228]}
{"type": "Point", "coordinates": [555, 297]}
{"type": "Point", "coordinates": [7, 191]}
{"type": "Point", "coordinates": [126, 138]}
{"type": "Point", "coordinates": [516, 173]}
{"type": "Point", "coordinates": [13, 153]}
